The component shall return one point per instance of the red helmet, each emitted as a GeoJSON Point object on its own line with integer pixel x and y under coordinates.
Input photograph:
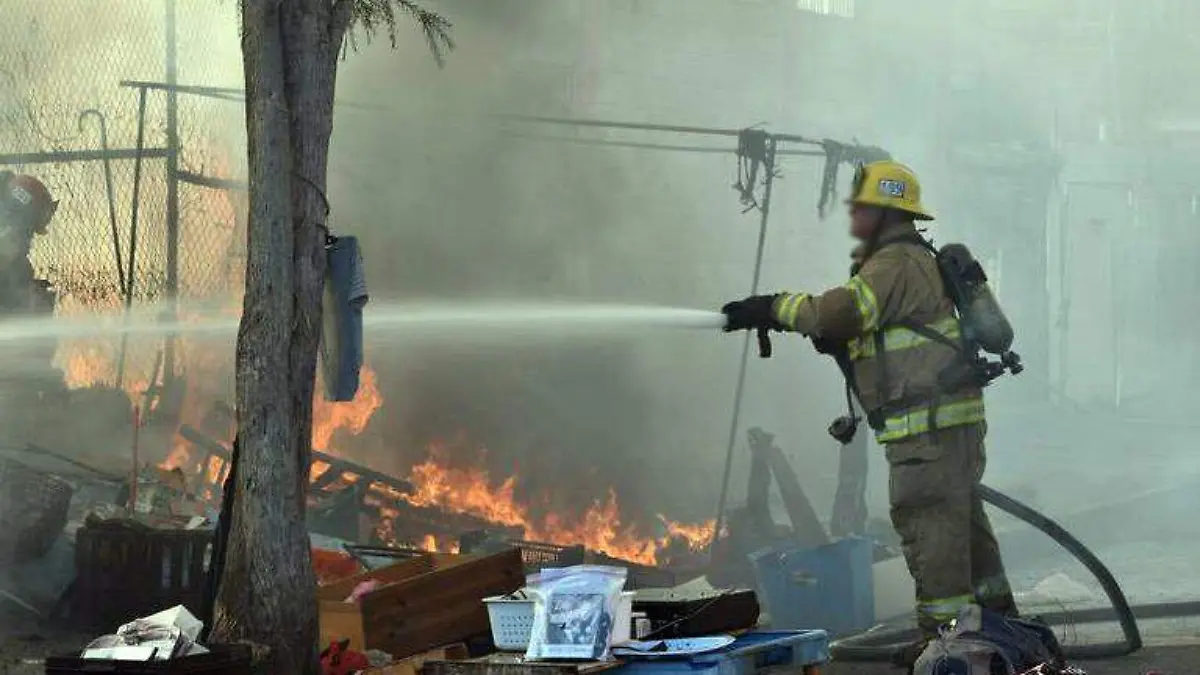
{"type": "Point", "coordinates": [29, 199]}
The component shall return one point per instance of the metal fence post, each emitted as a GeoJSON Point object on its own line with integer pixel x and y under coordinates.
{"type": "Point", "coordinates": [172, 276]}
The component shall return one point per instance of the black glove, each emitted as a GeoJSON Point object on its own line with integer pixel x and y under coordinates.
{"type": "Point", "coordinates": [828, 347]}
{"type": "Point", "coordinates": [756, 311]}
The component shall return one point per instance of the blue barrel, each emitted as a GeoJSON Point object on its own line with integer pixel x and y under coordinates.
{"type": "Point", "coordinates": [830, 587]}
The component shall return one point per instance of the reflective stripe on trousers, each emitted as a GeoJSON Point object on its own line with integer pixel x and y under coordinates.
{"type": "Point", "coordinates": [943, 610]}
{"type": "Point", "coordinates": [914, 422]}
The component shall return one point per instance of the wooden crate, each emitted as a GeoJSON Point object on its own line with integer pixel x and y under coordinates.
{"type": "Point", "coordinates": [124, 571]}
{"type": "Point", "coordinates": [426, 602]}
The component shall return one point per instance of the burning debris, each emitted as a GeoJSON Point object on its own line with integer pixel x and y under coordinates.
{"type": "Point", "coordinates": [436, 503]}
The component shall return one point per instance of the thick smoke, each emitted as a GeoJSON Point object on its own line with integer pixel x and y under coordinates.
{"type": "Point", "coordinates": [1054, 138]}
{"type": "Point", "coordinates": [454, 205]}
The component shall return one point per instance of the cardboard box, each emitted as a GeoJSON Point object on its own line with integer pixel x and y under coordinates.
{"type": "Point", "coordinates": [426, 602]}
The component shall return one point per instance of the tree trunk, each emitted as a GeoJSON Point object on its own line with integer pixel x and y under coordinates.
{"type": "Point", "coordinates": [267, 592]}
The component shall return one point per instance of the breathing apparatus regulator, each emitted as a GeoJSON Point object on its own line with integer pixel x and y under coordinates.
{"type": "Point", "coordinates": [983, 326]}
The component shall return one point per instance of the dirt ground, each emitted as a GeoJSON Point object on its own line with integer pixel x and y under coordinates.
{"type": "Point", "coordinates": [23, 653]}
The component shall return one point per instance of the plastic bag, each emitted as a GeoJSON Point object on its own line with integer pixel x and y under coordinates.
{"type": "Point", "coordinates": [574, 610]}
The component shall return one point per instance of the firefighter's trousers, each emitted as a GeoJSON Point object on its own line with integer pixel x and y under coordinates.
{"type": "Point", "coordinates": [948, 541]}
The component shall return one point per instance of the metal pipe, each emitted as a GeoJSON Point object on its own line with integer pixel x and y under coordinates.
{"type": "Point", "coordinates": [657, 146]}
{"type": "Point", "coordinates": [172, 188]}
{"type": "Point", "coordinates": [229, 94]}
{"type": "Point", "coordinates": [562, 121]}
{"type": "Point", "coordinates": [68, 156]}
{"type": "Point", "coordinates": [211, 182]}
{"type": "Point", "coordinates": [637, 126]}
{"type": "Point", "coordinates": [133, 483]}
{"type": "Point", "coordinates": [214, 92]}
{"type": "Point", "coordinates": [134, 210]}
{"type": "Point", "coordinates": [135, 204]}
{"type": "Point", "coordinates": [108, 185]}
{"type": "Point", "coordinates": [739, 390]}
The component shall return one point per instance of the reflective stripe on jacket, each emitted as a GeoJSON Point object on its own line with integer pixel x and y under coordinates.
{"type": "Point", "coordinates": [898, 285]}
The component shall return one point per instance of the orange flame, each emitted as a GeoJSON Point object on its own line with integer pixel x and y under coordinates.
{"type": "Point", "coordinates": [349, 416]}
{"type": "Point", "coordinates": [470, 491]}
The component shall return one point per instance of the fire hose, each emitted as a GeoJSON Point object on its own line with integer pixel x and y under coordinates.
{"type": "Point", "coordinates": [881, 645]}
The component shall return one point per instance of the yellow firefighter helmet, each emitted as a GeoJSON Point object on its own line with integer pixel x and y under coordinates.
{"type": "Point", "coordinates": [889, 185]}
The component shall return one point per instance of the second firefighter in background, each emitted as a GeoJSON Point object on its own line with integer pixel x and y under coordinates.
{"type": "Point", "coordinates": [933, 436]}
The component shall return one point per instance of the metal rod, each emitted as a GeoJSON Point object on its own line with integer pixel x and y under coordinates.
{"type": "Point", "coordinates": [108, 186]}
{"type": "Point", "coordinates": [135, 206]}
{"type": "Point", "coordinates": [562, 121]}
{"type": "Point", "coordinates": [172, 190]}
{"type": "Point", "coordinates": [670, 128]}
{"type": "Point", "coordinates": [133, 483]}
{"type": "Point", "coordinates": [229, 94]}
{"type": "Point", "coordinates": [134, 210]}
{"type": "Point", "coordinates": [39, 450]}
{"type": "Point", "coordinates": [211, 182]}
{"type": "Point", "coordinates": [215, 92]}
{"type": "Point", "coordinates": [67, 156]}
{"type": "Point", "coordinates": [656, 146]}
{"type": "Point", "coordinates": [626, 144]}
{"type": "Point", "coordinates": [739, 390]}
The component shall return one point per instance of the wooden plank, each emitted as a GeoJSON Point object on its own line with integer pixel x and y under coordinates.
{"type": "Point", "coordinates": [206, 443]}
{"type": "Point", "coordinates": [174, 552]}
{"type": "Point", "coordinates": [806, 527]}
{"type": "Point", "coordinates": [341, 621]}
{"type": "Point", "coordinates": [405, 569]}
{"type": "Point", "coordinates": [514, 664]}
{"type": "Point", "coordinates": [468, 582]}
{"type": "Point", "coordinates": [469, 620]}
{"type": "Point", "coordinates": [414, 664]}
{"type": "Point", "coordinates": [440, 607]}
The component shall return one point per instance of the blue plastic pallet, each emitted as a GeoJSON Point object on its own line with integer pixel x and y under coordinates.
{"type": "Point", "coordinates": [750, 654]}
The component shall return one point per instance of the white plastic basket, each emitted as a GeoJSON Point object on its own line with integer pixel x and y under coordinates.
{"type": "Point", "coordinates": [512, 621]}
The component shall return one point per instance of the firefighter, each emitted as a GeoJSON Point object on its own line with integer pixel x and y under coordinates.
{"type": "Point", "coordinates": [932, 432]}
{"type": "Point", "coordinates": [26, 209]}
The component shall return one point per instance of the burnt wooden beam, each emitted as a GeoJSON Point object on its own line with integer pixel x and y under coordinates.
{"type": "Point", "coordinates": [807, 528]}
{"type": "Point", "coordinates": [336, 464]}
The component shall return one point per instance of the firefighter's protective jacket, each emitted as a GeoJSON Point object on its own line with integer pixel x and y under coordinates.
{"type": "Point", "coordinates": [914, 384]}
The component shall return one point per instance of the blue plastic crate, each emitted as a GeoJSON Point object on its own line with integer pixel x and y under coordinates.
{"type": "Point", "coordinates": [750, 654]}
{"type": "Point", "coordinates": [830, 587]}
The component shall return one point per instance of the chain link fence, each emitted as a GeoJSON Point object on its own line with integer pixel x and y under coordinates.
{"type": "Point", "coordinates": [62, 68]}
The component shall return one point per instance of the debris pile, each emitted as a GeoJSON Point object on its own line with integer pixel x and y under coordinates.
{"type": "Point", "coordinates": [166, 635]}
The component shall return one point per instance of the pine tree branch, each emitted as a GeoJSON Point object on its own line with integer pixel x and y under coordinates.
{"type": "Point", "coordinates": [371, 16]}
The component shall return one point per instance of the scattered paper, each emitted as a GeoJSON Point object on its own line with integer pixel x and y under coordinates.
{"type": "Point", "coordinates": [165, 635]}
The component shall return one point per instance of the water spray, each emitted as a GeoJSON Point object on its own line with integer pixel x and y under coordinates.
{"type": "Point", "coordinates": [391, 319]}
